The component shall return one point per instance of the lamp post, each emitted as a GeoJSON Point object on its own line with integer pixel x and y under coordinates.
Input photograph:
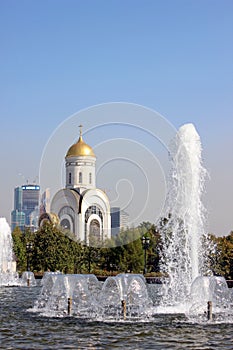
{"type": "Point", "coordinates": [145, 246]}
{"type": "Point", "coordinates": [29, 247]}
{"type": "Point", "coordinates": [89, 259]}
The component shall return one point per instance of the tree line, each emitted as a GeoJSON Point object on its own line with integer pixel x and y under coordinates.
{"type": "Point", "coordinates": [52, 249]}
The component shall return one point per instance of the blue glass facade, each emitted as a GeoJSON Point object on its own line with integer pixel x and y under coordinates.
{"type": "Point", "coordinates": [17, 215]}
{"type": "Point", "coordinates": [31, 196]}
{"type": "Point", "coordinates": [26, 205]}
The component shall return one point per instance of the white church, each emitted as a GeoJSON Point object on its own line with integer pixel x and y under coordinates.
{"type": "Point", "coordinates": [80, 207]}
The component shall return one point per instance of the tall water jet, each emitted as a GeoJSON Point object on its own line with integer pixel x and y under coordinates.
{"type": "Point", "coordinates": [8, 275]}
{"type": "Point", "coordinates": [182, 230]}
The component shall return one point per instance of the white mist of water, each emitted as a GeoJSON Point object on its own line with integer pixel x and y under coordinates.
{"type": "Point", "coordinates": [6, 253]}
{"type": "Point", "coordinates": [183, 232]}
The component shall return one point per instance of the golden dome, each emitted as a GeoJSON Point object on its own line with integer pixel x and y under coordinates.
{"type": "Point", "coordinates": [80, 148]}
{"type": "Point", "coordinates": [48, 218]}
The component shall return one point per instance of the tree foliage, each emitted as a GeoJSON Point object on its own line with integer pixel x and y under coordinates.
{"type": "Point", "coordinates": [54, 249]}
{"type": "Point", "coordinates": [20, 240]}
{"type": "Point", "coordinates": [222, 259]}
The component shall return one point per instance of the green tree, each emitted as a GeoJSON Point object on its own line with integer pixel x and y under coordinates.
{"type": "Point", "coordinates": [153, 257]}
{"type": "Point", "coordinates": [222, 258]}
{"type": "Point", "coordinates": [55, 251]}
{"type": "Point", "coordinates": [90, 258]}
{"type": "Point", "coordinates": [132, 257]}
{"type": "Point", "coordinates": [152, 232]}
{"type": "Point", "coordinates": [131, 253]}
{"type": "Point", "coordinates": [19, 248]}
{"type": "Point", "coordinates": [110, 258]}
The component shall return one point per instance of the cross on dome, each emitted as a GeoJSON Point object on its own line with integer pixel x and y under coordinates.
{"type": "Point", "coordinates": [80, 129]}
{"type": "Point", "coordinates": [80, 148]}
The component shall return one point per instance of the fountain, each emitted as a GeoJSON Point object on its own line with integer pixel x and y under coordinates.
{"type": "Point", "coordinates": [125, 295]}
{"type": "Point", "coordinates": [183, 230]}
{"type": "Point", "coordinates": [28, 279]}
{"type": "Point", "coordinates": [66, 295]}
{"type": "Point", "coordinates": [8, 274]}
{"type": "Point", "coordinates": [212, 289]}
{"type": "Point", "coordinates": [47, 283]}
{"type": "Point", "coordinates": [189, 286]}
{"type": "Point", "coordinates": [121, 297]}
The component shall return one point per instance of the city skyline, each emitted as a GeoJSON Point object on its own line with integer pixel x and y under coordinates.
{"type": "Point", "coordinates": [173, 57]}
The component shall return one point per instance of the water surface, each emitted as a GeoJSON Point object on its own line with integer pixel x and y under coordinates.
{"type": "Point", "coordinates": [20, 329]}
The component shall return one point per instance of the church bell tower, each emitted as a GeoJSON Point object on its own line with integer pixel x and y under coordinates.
{"type": "Point", "coordinates": [80, 166]}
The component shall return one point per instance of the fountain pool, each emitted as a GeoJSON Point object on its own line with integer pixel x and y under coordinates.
{"type": "Point", "coordinates": [124, 296]}
{"type": "Point", "coordinates": [23, 329]}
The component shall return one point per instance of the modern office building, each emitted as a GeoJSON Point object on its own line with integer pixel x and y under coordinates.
{"type": "Point", "coordinates": [26, 207]}
{"type": "Point", "coordinates": [124, 220]}
{"type": "Point", "coordinates": [18, 198]}
{"type": "Point", "coordinates": [31, 197]}
{"type": "Point", "coordinates": [17, 219]}
{"type": "Point", "coordinates": [119, 220]}
{"type": "Point", "coordinates": [17, 215]}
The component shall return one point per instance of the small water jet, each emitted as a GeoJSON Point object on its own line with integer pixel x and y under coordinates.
{"type": "Point", "coordinates": [28, 279]}
{"type": "Point", "coordinates": [47, 283]}
{"type": "Point", "coordinates": [64, 295]}
{"type": "Point", "coordinates": [125, 296]}
{"type": "Point", "coordinates": [210, 291]}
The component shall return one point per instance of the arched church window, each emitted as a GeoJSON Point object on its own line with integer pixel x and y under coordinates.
{"type": "Point", "coordinates": [93, 209]}
{"type": "Point", "coordinates": [65, 223]}
{"type": "Point", "coordinates": [96, 226]}
{"type": "Point", "coordinates": [90, 178]}
{"type": "Point", "coordinates": [69, 178]}
{"type": "Point", "coordinates": [80, 177]}
{"type": "Point", "coordinates": [94, 231]}
{"type": "Point", "coordinates": [66, 216]}
{"type": "Point", "coordinates": [66, 210]}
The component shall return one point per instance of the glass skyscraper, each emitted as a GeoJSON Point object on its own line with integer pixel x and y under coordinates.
{"type": "Point", "coordinates": [119, 220]}
{"type": "Point", "coordinates": [31, 196]}
{"type": "Point", "coordinates": [17, 215]}
{"type": "Point", "coordinates": [26, 206]}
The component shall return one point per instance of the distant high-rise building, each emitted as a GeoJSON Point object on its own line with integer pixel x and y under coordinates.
{"type": "Point", "coordinates": [45, 202]}
{"type": "Point", "coordinates": [17, 219]}
{"type": "Point", "coordinates": [119, 220]}
{"type": "Point", "coordinates": [124, 220]}
{"type": "Point", "coordinates": [26, 207]}
{"type": "Point", "coordinates": [17, 215]}
{"type": "Point", "coordinates": [31, 196]}
{"type": "Point", "coordinates": [18, 198]}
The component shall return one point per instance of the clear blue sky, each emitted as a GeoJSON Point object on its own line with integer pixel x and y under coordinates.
{"type": "Point", "coordinates": [174, 56]}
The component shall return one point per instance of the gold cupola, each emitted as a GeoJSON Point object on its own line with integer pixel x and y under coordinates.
{"type": "Point", "coordinates": [80, 148]}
